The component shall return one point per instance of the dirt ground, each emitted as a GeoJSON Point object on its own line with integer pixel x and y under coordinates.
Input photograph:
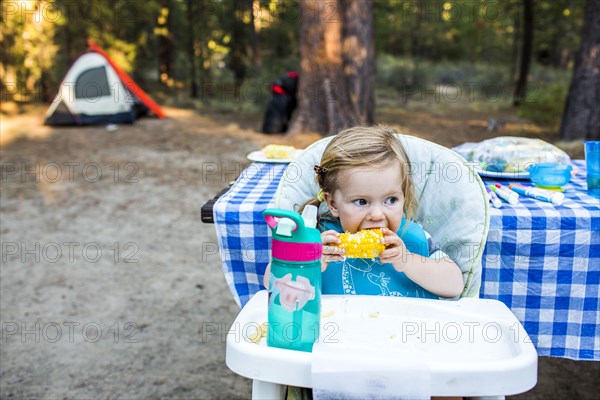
{"type": "Point", "coordinates": [109, 280]}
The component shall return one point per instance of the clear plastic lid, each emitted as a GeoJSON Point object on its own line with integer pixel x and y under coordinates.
{"type": "Point", "coordinates": [309, 215]}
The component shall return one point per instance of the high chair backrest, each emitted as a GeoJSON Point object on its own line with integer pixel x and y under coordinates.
{"type": "Point", "coordinates": [453, 205]}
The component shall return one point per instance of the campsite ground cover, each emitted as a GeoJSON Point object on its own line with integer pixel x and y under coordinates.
{"type": "Point", "coordinates": [110, 282]}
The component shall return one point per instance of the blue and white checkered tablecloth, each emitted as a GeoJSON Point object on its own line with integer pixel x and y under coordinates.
{"type": "Point", "coordinates": [244, 236]}
{"type": "Point", "coordinates": [541, 260]}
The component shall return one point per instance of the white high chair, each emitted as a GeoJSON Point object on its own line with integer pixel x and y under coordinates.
{"type": "Point", "coordinates": [454, 209]}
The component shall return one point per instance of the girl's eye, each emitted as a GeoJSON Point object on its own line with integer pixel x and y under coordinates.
{"type": "Point", "coordinates": [391, 200]}
{"type": "Point", "coordinates": [360, 202]}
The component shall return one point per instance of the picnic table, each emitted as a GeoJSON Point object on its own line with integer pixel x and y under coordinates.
{"type": "Point", "coordinates": [541, 260]}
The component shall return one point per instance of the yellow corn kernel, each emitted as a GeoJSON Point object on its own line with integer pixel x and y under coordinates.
{"type": "Point", "coordinates": [261, 332]}
{"type": "Point", "coordinates": [278, 151]}
{"type": "Point", "coordinates": [362, 244]}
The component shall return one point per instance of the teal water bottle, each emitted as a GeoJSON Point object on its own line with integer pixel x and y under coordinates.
{"type": "Point", "coordinates": [295, 281]}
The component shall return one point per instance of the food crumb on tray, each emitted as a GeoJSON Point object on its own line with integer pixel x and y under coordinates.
{"type": "Point", "coordinates": [259, 333]}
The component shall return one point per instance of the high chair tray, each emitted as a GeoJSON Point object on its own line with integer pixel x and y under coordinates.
{"type": "Point", "coordinates": [472, 347]}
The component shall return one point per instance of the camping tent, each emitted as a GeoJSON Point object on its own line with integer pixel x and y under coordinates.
{"type": "Point", "coordinates": [96, 91]}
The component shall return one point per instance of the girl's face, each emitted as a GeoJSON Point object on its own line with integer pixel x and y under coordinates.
{"type": "Point", "coordinates": [368, 197]}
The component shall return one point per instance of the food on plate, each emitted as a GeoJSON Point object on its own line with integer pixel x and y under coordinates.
{"type": "Point", "coordinates": [514, 154]}
{"type": "Point", "coordinates": [278, 151]}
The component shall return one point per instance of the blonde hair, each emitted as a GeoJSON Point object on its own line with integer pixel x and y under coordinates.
{"type": "Point", "coordinates": [365, 147]}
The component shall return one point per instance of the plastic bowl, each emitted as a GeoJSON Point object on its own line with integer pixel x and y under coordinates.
{"type": "Point", "coordinates": [550, 174]}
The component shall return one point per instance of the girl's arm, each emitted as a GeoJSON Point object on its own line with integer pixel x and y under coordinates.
{"type": "Point", "coordinates": [439, 276]}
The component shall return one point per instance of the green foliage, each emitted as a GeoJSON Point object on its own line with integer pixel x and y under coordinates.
{"type": "Point", "coordinates": [27, 50]}
{"type": "Point", "coordinates": [477, 31]}
{"type": "Point", "coordinates": [481, 86]}
{"type": "Point", "coordinates": [545, 104]}
{"type": "Point", "coordinates": [438, 30]}
{"type": "Point", "coordinates": [403, 72]}
{"type": "Point", "coordinates": [425, 42]}
{"type": "Point", "coordinates": [546, 95]}
{"type": "Point", "coordinates": [557, 30]}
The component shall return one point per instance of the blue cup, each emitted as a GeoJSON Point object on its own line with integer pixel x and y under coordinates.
{"type": "Point", "coordinates": [592, 163]}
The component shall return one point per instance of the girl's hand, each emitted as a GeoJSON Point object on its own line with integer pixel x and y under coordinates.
{"type": "Point", "coordinates": [395, 252]}
{"type": "Point", "coordinates": [330, 252]}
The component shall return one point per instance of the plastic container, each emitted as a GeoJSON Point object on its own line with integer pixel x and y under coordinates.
{"type": "Point", "coordinates": [592, 159]}
{"type": "Point", "coordinates": [294, 310]}
{"type": "Point", "coordinates": [550, 175]}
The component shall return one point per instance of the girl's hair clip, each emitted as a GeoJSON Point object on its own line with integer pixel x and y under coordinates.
{"type": "Point", "coordinates": [320, 196]}
{"type": "Point", "coordinates": [319, 170]}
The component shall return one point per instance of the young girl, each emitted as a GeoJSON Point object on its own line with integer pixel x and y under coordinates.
{"type": "Point", "coordinates": [365, 182]}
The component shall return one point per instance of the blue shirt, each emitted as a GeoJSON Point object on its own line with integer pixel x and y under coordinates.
{"type": "Point", "coordinates": [370, 276]}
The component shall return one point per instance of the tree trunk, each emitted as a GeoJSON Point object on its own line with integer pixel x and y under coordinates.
{"type": "Point", "coordinates": [254, 38]}
{"type": "Point", "coordinates": [238, 50]}
{"type": "Point", "coordinates": [415, 36]}
{"type": "Point", "coordinates": [521, 88]}
{"type": "Point", "coordinates": [416, 49]}
{"type": "Point", "coordinates": [204, 53]}
{"type": "Point", "coordinates": [336, 83]}
{"type": "Point", "coordinates": [191, 49]}
{"type": "Point", "coordinates": [515, 47]}
{"type": "Point", "coordinates": [165, 42]}
{"type": "Point", "coordinates": [581, 119]}
{"type": "Point", "coordinates": [359, 58]}
{"type": "Point", "coordinates": [557, 32]}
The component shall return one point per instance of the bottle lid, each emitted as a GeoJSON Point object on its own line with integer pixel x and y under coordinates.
{"type": "Point", "coordinates": [285, 227]}
{"type": "Point", "coordinates": [310, 216]}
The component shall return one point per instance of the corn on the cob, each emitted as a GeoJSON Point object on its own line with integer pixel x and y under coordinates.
{"type": "Point", "coordinates": [366, 243]}
{"type": "Point", "coordinates": [278, 151]}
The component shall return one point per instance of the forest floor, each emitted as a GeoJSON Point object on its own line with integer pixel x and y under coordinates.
{"type": "Point", "coordinates": [109, 279]}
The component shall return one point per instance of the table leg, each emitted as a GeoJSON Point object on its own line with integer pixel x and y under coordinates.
{"type": "Point", "coordinates": [262, 390]}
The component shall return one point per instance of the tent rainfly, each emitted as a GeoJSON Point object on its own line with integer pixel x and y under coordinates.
{"type": "Point", "coordinates": [96, 91]}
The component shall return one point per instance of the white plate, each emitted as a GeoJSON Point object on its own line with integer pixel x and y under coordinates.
{"type": "Point", "coordinates": [502, 175]}
{"type": "Point", "coordinates": [260, 157]}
